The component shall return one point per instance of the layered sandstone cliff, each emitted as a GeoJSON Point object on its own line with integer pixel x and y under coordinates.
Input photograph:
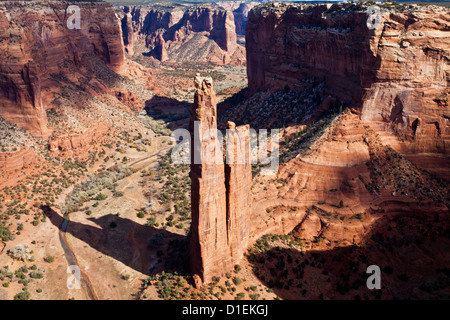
{"type": "Point", "coordinates": [187, 34]}
{"type": "Point", "coordinates": [220, 193]}
{"type": "Point", "coordinates": [396, 74]}
{"type": "Point", "coordinates": [35, 43]}
{"type": "Point", "coordinates": [16, 160]}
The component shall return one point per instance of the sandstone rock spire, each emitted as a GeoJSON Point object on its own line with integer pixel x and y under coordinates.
{"type": "Point", "coordinates": [220, 194]}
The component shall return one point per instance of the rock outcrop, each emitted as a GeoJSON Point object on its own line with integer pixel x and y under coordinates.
{"type": "Point", "coordinates": [16, 160]}
{"type": "Point", "coordinates": [397, 73]}
{"type": "Point", "coordinates": [187, 34]}
{"type": "Point", "coordinates": [35, 43]}
{"type": "Point", "coordinates": [92, 135]}
{"type": "Point", "coordinates": [241, 16]}
{"type": "Point", "coordinates": [220, 193]}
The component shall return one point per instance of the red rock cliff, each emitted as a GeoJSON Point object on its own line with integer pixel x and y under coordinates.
{"type": "Point", "coordinates": [397, 74]}
{"type": "Point", "coordinates": [35, 42]}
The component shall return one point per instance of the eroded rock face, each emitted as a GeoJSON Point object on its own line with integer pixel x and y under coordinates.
{"type": "Point", "coordinates": [241, 16]}
{"type": "Point", "coordinates": [180, 34]}
{"type": "Point", "coordinates": [32, 48]}
{"type": "Point", "coordinates": [10, 161]}
{"type": "Point", "coordinates": [220, 194]}
{"type": "Point", "coordinates": [396, 74]}
{"type": "Point", "coordinates": [94, 134]}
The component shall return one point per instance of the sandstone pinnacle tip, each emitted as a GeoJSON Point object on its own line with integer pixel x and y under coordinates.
{"type": "Point", "coordinates": [203, 83]}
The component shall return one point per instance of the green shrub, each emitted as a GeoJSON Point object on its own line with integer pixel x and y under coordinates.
{"type": "Point", "coordinates": [100, 197]}
{"type": "Point", "coordinates": [36, 275]}
{"type": "Point", "coordinates": [240, 296]}
{"type": "Point", "coordinates": [24, 295]}
{"type": "Point", "coordinates": [118, 194]}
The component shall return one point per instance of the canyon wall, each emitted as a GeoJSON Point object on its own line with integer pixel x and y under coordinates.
{"type": "Point", "coordinates": [241, 16]}
{"type": "Point", "coordinates": [220, 193]}
{"type": "Point", "coordinates": [35, 42]}
{"type": "Point", "coordinates": [396, 74]}
{"type": "Point", "coordinates": [187, 34]}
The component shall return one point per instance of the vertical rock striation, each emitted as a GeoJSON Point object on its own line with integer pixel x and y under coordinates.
{"type": "Point", "coordinates": [238, 181]}
{"type": "Point", "coordinates": [208, 200]}
{"type": "Point", "coordinates": [220, 194]}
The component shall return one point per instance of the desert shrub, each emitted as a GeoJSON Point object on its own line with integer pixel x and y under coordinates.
{"type": "Point", "coordinates": [118, 194]}
{"type": "Point", "coordinates": [5, 233]}
{"type": "Point", "coordinates": [240, 296]}
{"type": "Point", "coordinates": [36, 275]}
{"type": "Point", "coordinates": [24, 295]}
{"type": "Point", "coordinates": [100, 197]}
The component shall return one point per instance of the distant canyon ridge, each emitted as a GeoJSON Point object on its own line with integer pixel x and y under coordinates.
{"type": "Point", "coordinates": [205, 33]}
